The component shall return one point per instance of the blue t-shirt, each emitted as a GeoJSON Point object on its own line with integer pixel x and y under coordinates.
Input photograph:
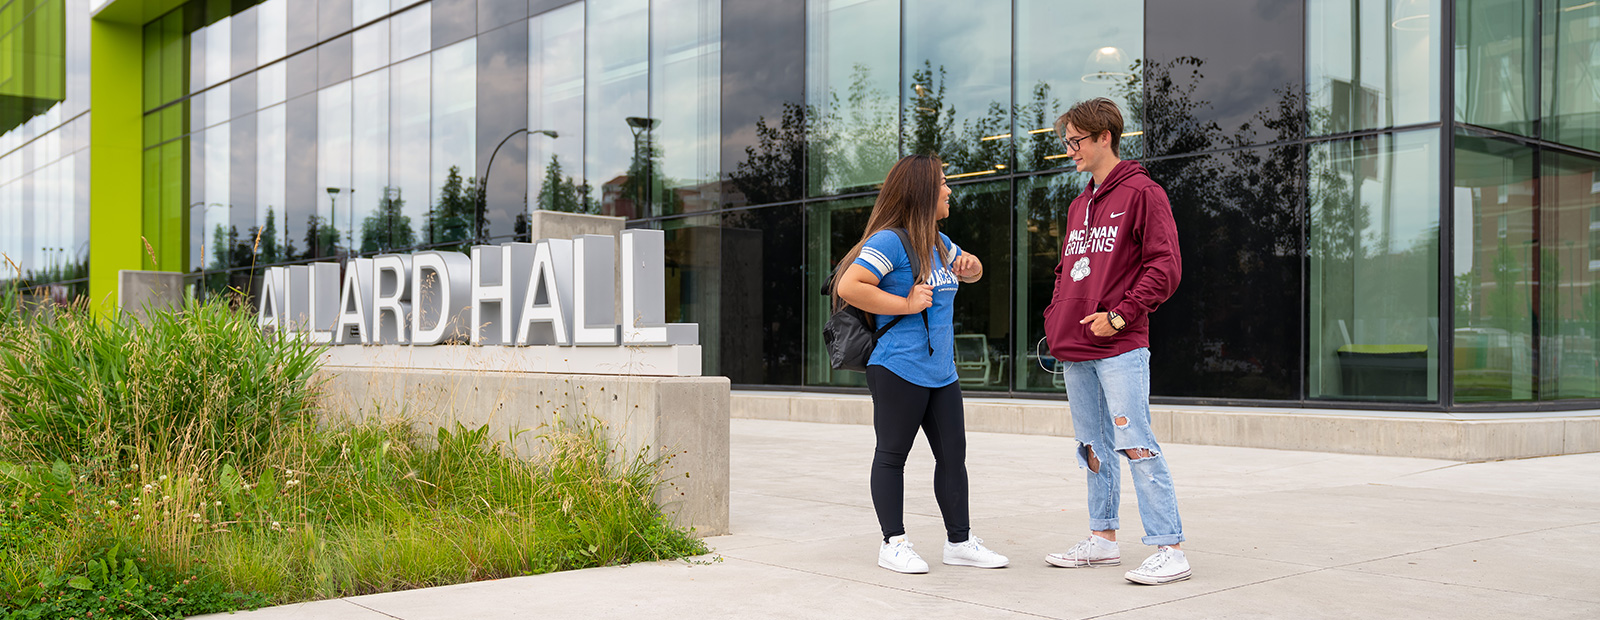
{"type": "Point", "coordinates": [904, 349]}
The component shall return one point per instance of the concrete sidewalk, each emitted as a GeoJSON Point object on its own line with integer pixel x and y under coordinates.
{"type": "Point", "coordinates": [1272, 534]}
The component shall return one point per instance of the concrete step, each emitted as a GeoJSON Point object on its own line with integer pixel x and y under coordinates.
{"type": "Point", "coordinates": [1457, 437]}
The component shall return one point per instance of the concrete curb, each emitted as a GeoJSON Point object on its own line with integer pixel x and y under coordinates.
{"type": "Point", "coordinates": [1436, 436]}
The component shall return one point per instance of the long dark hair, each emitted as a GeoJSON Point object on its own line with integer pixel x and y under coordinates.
{"type": "Point", "coordinates": [909, 200]}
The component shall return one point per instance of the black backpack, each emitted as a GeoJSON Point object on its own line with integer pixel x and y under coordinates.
{"type": "Point", "coordinates": [848, 333]}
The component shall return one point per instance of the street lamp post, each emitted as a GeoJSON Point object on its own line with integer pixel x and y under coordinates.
{"type": "Point", "coordinates": [483, 184]}
{"type": "Point", "coordinates": [333, 209]}
{"type": "Point", "coordinates": [639, 126]}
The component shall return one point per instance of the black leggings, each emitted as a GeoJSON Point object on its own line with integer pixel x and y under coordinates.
{"type": "Point", "coordinates": [899, 407]}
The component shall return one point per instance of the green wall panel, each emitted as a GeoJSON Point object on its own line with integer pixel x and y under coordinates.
{"type": "Point", "coordinates": [115, 175]}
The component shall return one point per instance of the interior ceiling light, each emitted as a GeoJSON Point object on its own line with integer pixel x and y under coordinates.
{"type": "Point", "coordinates": [1106, 65]}
{"type": "Point", "coordinates": [1411, 15]}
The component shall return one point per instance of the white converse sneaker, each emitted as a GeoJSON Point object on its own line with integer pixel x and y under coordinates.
{"type": "Point", "coordinates": [972, 553]}
{"type": "Point", "coordinates": [1091, 551]}
{"type": "Point", "coordinates": [1166, 566]}
{"type": "Point", "coordinates": [896, 555]}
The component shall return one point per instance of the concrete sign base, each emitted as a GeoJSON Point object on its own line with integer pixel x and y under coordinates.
{"type": "Point", "coordinates": [681, 420]}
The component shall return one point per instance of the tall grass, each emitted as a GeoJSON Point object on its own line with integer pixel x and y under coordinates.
{"type": "Point", "coordinates": [178, 459]}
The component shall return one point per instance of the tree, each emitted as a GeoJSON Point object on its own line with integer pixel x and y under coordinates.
{"type": "Point", "coordinates": [453, 216]}
{"type": "Point", "coordinates": [388, 228]}
{"type": "Point", "coordinates": [562, 193]}
{"type": "Point", "coordinates": [772, 168]}
{"type": "Point", "coordinates": [267, 249]}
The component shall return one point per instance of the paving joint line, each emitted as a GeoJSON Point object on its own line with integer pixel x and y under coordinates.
{"type": "Point", "coordinates": [900, 589]}
{"type": "Point", "coordinates": [371, 609]}
{"type": "Point", "coordinates": [1468, 585]}
{"type": "Point", "coordinates": [1467, 542]}
{"type": "Point", "coordinates": [1227, 589]}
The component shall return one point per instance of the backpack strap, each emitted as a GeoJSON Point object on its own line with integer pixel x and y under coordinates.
{"type": "Point", "coordinates": [916, 266]}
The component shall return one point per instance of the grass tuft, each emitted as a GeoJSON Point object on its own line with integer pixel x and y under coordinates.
{"type": "Point", "coordinates": [173, 468]}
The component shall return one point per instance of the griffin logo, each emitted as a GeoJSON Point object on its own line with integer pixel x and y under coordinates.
{"type": "Point", "coordinates": [1080, 269]}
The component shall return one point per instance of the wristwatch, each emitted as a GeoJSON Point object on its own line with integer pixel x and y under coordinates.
{"type": "Point", "coordinates": [1117, 322]}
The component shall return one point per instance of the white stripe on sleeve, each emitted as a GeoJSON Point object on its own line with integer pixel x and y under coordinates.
{"type": "Point", "coordinates": [877, 260]}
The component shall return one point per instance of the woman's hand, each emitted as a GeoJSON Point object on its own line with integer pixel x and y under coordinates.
{"type": "Point", "coordinates": [921, 298]}
{"type": "Point", "coordinates": [967, 267]}
{"type": "Point", "coordinates": [859, 288]}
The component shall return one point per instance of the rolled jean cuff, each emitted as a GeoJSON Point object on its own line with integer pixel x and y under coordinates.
{"type": "Point", "coordinates": [1164, 539]}
{"type": "Point", "coordinates": [1105, 525]}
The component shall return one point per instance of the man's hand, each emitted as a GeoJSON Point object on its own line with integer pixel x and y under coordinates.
{"type": "Point", "coordinates": [921, 298]}
{"type": "Point", "coordinates": [967, 267]}
{"type": "Point", "coordinates": [1100, 324]}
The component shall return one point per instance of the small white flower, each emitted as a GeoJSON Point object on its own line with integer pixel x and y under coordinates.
{"type": "Point", "coordinates": [135, 517]}
{"type": "Point", "coordinates": [294, 482]}
{"type": "Point", "coordinates": [135, 467]}
{"type": "Point", "coordinates": [111, 502]}
{"type": "Point", "coordinates": [217, 503]}
{"type": "Point", "coordinates": [163, 478]}
{"type": "Point", "coordinates": [166, 498]}
{"type": "Point", "coordinates": [288, 471]}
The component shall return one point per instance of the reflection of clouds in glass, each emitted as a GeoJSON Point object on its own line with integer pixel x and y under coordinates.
{"type": "Point", "coordinates": [270, 172]}
{"type": "Point", "coordinates": [555, 94]}
{"type": "Point", "coordinates": [455, 83]}
{"type": "Point", "coordinates": [411, 144]}
{"type": "Point", "coordinates": [616, 78]}
{"type": "Point", "coordinates": [1250, 62]}
{"type": "Point", "coordinates": [686, 88]}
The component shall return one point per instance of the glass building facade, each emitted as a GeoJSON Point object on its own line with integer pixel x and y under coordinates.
{"type": "Point", "coordinates": [1381, 203]}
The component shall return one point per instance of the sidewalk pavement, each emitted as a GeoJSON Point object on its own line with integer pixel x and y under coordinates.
{"type": "Point", "coordinates": [1272, 534]}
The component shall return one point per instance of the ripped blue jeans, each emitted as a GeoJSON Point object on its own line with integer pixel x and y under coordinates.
{"type": "Point", "coordinates": [1110, 402]}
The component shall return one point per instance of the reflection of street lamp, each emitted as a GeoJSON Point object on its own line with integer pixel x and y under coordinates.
{"type": "Point", "coordinates": [483, 184]}
{"type": "Point", "coordinates": [640, 125]}
{"type": "Point", "coordinates": [333, 209]}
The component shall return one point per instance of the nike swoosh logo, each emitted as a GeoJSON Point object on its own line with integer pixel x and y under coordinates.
{"type": "Point", "coordinates": [1117, 215]}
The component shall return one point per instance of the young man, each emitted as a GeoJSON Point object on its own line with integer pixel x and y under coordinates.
{"type": "Point", "coordinates": [1119, 261]}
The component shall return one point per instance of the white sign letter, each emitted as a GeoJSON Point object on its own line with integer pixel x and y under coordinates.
{"type": "Point", "coordinates": [549, 295]}
{"type": "Point", "coordinates": [391, 298]}
{"type": "Point", "coordinates": [594, 281]}
{"type": "Point", "coordinates": [496, 305]}
{"type": "Point", "coordinates": [440, 291]}
{"type": "Point", "coordinates": [644, 292]}
{"type": "Point", "coordinates": [355, 300]}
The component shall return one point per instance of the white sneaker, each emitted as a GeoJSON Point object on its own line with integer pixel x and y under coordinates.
{"type": "Point", "coordinates": [972, 553]}
{"type": "Point", "coordinates": [896, 555]}
{"type": "Point", "coordinates": [1091, 551]}
{"type": "Point", "coordinates": [1166, 566]}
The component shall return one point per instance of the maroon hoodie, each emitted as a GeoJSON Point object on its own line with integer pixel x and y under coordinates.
{"type": "Point", "coordinates": [1120, 254]}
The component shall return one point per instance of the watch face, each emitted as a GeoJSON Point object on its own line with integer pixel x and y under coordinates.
{"type": "Point", "coordinates": [1118, 322]}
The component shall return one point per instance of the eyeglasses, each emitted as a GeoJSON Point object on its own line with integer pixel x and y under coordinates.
{"type": "Point", "coordinates": [1073, 144]}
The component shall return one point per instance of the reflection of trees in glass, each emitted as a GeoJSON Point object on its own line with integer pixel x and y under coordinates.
{"type": "Point", "coordinates": [558, 192]}
{"type": "Point", "coordinates": [1238, 225]}
{"type": "Point", "coordinates": [454, 216]}
{"type": "Point", "coordinates": [771, 171]}
{"type": "Point", "coordinates": [855, 140]}
{"type": "Point", "coordinates": [644, 175]}
{"type": "Point", "coordinates": [931, 127]}
{"type": "Point", "coordinates": [388, 228]}
{"type": "Point", "coordinates": [265, 240]}
{"type": "Point", "coordinates": [322, 239]}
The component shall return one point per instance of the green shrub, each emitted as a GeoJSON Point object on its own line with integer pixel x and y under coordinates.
{"type": "Point", "coordinates": [171, 469]}
{"type": "Point", "coordinates": [202, 380]}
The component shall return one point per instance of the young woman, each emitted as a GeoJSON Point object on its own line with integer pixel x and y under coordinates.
{"type": "Point", "coordinates": [912, 372]}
